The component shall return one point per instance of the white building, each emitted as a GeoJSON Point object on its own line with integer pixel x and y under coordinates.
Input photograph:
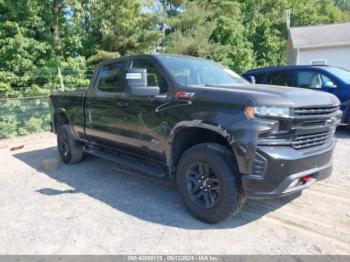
{"type": "Point", "coordinates": [320, 45]}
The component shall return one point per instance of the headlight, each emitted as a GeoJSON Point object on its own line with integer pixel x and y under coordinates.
{"type": "Point", "coordinates": [264, 111]}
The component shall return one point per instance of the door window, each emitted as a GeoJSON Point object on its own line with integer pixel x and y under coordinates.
{"type": "Point", "coordinates": [112, 77]}
{"type": "Point", "coordinates": [325, 79]}
{"type": "Point", "coordinates": [312, 79]}
{"type": "Point", "coordinates": [259, 79]}
{"type": "Point", "coordinates": [154, 78]}
{"type": "Point", "coordinates": [280, 78]}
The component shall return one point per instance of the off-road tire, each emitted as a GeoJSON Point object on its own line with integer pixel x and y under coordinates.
{"type": "Point", "coordinates": [221, 161]}
{"type": "Point", "coordinates": [70, 150]}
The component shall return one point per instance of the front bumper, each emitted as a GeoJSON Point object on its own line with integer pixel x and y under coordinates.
{"type": "Point", "coordinates": [284, 169]}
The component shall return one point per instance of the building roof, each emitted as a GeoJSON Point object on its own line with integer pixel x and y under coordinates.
{"type": "Point", "coordinates": [320, 35]}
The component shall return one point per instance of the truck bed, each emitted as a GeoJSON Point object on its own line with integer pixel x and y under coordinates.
{"type": "Point", "coordinates": [72, 104]}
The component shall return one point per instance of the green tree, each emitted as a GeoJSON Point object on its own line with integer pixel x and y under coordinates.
{"type": "Point", "coordinates": [314, 12]}
{"type": "Point", "coordinates": [344, 5]}
{"type": "Point", "coordinates": [241, 33]}
{"type": "Point", "coordinates": [265, 23]}
{"type": "Point", "coordinates": [30, 52]}
{"type": "Point", "coordinates": [118, 27]}
{"type": "Point", "coordinates": [191, 30]}
{"type": "Point", "coordinates": [231, 33]}
{"type": "Point", "coordinates": [23, 46]}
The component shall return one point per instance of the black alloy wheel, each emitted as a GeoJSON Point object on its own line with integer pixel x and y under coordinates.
{"type": "Point", "coordinates": [70, 150]}
{"type": "Point", "coordinates": [208, 182]}
{"type": "Point", "coordinates": [203, 186]}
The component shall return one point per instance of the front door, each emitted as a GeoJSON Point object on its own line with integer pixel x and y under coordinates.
{"type": "Point", "coordinates": [151, 128]}
{"type": "Point", "coordinates": [316, 80]}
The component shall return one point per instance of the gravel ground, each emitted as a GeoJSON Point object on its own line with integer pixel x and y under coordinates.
{"type": "Point", "coordinates": [94, 208]}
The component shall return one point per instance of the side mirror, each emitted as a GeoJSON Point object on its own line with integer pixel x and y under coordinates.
{"type": "Point", "coordinates": [252, 80]}
{"type": "Point", "coordinates": [137, 85]}
{"type": "Point", "coordinates": [329, 84]}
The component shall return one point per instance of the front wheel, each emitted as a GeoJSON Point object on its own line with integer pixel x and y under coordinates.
{"type": "Point", "coordinates": [70, 150]}
{"type": "Point", "coordinates": [208, 182]}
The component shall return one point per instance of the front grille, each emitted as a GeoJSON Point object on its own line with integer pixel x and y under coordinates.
{"type": "Point", "coordinates": [309, 111]}
{"type": "Point", "coordinates": [313, 123]}
{"type": "Point", "coordinates": [323, 127]}
{"type": "Point", "coordinates": [311, 140]}
{"type": "Point", "coordinates": [310, 127]}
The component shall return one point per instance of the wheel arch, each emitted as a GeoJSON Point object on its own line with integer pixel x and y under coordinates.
{"type": "Point", "coordinates": [189, 133]}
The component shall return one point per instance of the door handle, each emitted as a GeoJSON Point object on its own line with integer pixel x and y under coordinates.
{"type": "Point", "coordinates": [123, 104]}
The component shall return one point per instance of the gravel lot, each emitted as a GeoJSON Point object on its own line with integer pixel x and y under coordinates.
{"type": "Point", "coordinates": [94, 208]}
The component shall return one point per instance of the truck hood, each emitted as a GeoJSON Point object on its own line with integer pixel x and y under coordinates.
{"type": "Point", "coordinates": [270, 95]}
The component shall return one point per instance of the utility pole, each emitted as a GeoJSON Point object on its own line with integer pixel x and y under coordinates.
{"type": "Point", "coordinates": [61, 78]}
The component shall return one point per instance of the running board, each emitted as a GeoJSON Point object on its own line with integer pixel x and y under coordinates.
{"type": "Point", "coordinates": [127, 162]}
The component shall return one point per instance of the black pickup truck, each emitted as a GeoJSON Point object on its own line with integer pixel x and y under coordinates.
{"type": "Point", "coordinates": [201, 127]}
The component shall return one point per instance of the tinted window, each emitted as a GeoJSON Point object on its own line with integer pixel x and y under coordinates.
{"type": "Point", "coordinates": [325, 79]}
{"type": "Point", "coordinates": [154, 78]}
{"type": "Point", "coordinates": [311, 79]}
{"type": "Point", "coordinates": [280, 79]}
{"type": "Point", "coordinates": [259, 79]}
{"type": "Point", "coordinates": [112, 77]}
{"type": "Point", "coordinates": [308, 79]}
{"type": "Point", "coordinates": [199, 72]}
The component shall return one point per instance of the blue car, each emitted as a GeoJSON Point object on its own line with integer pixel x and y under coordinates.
{"type": "Point", "coordinates": [324, 78]}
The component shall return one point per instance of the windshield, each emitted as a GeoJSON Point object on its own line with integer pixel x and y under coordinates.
{"type": "Point", "coordinates": [342, 74]}
{"type": "Point", "coordinates": [199, 72]}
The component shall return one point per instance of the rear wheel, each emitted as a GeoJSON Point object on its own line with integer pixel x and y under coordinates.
{"type": "Point", "coordinates": [208, 182]}
{"type": "Point", "coordinates": [70, 150]}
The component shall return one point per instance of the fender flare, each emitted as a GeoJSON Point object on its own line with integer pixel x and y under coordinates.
{"type": "Point", "coordinates": [58, 111]}
{"type": "Point", "coordinates": [191, 124]}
